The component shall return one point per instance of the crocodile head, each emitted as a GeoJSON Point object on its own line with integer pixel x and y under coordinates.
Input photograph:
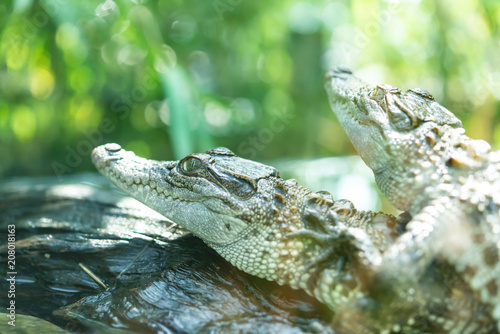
{"type": "Point", "coordinates": [388, 127]}
{"type": "Point", "coordinates": [208, 193]}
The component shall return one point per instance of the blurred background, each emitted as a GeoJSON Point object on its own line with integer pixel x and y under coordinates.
{"type": "Point", "coordinates": [169, 78]}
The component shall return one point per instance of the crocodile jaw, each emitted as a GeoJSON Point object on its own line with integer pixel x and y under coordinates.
{"type": "Point", "coordinates": [204, 210]}
{"type": "Point", "coordinates": [347, 95]}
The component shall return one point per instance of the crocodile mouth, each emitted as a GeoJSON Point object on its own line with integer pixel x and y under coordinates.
{"type": "Point", "coordinates": [139, 177]}
{"type": "Point", "coordinates": [360, 115]}
{"type": "Point", "coordinates": [126, 168]}
{"type": "Point", "coordinates": [345, 89]}
{"type": "Point", "coordinates": [143, 178]}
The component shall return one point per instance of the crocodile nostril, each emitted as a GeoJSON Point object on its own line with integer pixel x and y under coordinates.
{"type": "Point", "coordinates": [340, 72]}
{"type": "Point", "coordinates": [112, 147]}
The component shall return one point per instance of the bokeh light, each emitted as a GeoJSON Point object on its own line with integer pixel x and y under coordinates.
{"type": "Point", "coordinates": [169, 78]}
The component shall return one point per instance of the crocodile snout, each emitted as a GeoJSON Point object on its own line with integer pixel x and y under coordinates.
{"type": "Point", "coordinates": [338, 72]}
{"type": "Point", "coordinates": [101, 155]}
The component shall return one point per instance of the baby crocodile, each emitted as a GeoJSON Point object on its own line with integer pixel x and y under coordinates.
{"type": "Point", "coordinates": [262, 224]}
{"type": "Point", "coordinates": [450, 184]}
{"type": "Point", "coordinates": [277, 230]}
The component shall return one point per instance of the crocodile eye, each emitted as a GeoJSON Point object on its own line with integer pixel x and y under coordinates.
{"type": "Point", "coordinates": [243, 189]}
{"type": "Point", "coordinates": [422, 92]}
{"type": "Point", "coordinates": [402, 116]}
{"type": "Point", "coordinates": [377, 94]}
{"type": "Point", "coordinates": [191, 165]}
{"type": "Point", "coordinates": [401, 121]}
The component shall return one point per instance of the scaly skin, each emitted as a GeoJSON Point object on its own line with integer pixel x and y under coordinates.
{"type": "Point", "coordinates": [450, 184]}
{"type": "Point", "coordinates": [277, 230]}
{"type": "Point", "coordinates": [262, 224]}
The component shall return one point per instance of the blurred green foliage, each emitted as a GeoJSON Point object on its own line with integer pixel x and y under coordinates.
{"type": "Point", "coordinates": [168, 78]}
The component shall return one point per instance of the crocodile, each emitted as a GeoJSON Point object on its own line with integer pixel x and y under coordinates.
{"type": "Point", "coordinates": [264, 225]}
{"type": "Point", "coordinates": [425, 165]}
{"type": "Point", "coordinates": [277, 230]}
